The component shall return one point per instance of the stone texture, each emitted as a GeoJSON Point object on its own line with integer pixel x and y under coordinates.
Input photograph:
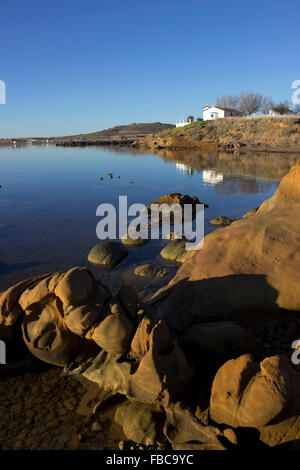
{"type": "Point", "coordinates": [245, 394]}
{"type": "Point", "coordinates": [163, 372]}
{"type": "Point", "coordinates": [141, 423]}
{"type": "Point", "coordinates": [114, 332]}
{"type": "Point", "coordinates": [185, 432]}
{"type": "Point", "coordinates": [150, 270]}
{"type": "Point", "coordinates": [175, 251]}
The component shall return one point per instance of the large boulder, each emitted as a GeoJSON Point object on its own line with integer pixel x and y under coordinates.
{"type": "Point", "coordinates": [178, 202]}
{"type": "Point", "coordinates": [247, 394]}
{"type": "Point", "coordinates": [175, 251]}
{"type": "Point", "coordinates": [107, 254]}
{"type": "Point", "coordinates": [246, 269]}
{"type": "Point", "coordinates": [163, 372]}
{"type": "Point", "coordinates": [58, 312]}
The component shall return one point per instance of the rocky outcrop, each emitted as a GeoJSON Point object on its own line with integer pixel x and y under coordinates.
{"type": "Point", "coordinates": [247, 394]}
{"type": "Point", "coordinates": [165, 358]}
{"type": "Point", "coordinates": [244, 270]}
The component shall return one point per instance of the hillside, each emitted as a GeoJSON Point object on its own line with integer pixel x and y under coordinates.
{"type": "Point", "coordinates": [261, 132]}
{"type": "Point", "coordinates": [119, 133]}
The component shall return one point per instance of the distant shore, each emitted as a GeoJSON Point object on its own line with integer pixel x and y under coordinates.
{"type": "Point", "coordinates": [280, 134]}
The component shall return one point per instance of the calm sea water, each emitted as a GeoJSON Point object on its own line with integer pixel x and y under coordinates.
{"type": "Point", "coordinates": [49, 197]}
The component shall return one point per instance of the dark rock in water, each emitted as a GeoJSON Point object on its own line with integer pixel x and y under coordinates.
{"type": "Point", "coordinates": [107, 254]}
{"type": "Point", "coordinates": [175, 251]}
{"type": "Point", "coordinates": [127, 240]}
{"type": "Point", "coordinates": [177, 198]}
{"type": "Point", "coordinates": [221, 221]}
{"type": "Point", "coordinates": [180, 201]}
{"type": "Point", "coordinates": [150, 270]}
{"type": "Point", "coordinates": [141, 423]}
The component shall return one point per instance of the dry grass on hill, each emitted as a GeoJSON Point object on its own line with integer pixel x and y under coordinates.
{"type": "Point", "coordinates": [270, 132]}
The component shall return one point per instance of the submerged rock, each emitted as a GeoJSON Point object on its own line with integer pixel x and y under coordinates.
{"type": "Point", "coordinates": [175, 251]}
{"type": "Point", "coordinates": [127, 240]}
{"type": "Point", "coordinates": [150, 270]}
{"type": "Point", "coordinates": [107, 254]}
{"type": "Point", "coordinates": [221, 221]}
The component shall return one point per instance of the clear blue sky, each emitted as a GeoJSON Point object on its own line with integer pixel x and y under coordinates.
{"type": "Point", "coordinates": [75, 66]}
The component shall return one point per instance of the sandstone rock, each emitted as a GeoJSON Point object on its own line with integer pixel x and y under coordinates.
{"type": "Point", "coordinates": [150, 270]}
{"type": "Point", "coordinates": [285, 435]}
{"type": "Point", "coordinates": [107, 254]}
{"type": "Point", "coordinates": [247, 395]}
{"type": "Point", "coordinates": [9, 307]}
{"type": "Point", "coordinates": [46, 335]}
{"type": "Point", "coordinates": [163, 372]}
{"type": "Point", "coordinates": [141, 423]}
{"type": "Point", "coordinates": [107, 371]}
{"type": "Point", "coordinates": [59, 310]}
{"type": "Point", "coordinates": [250, 213]}
{"type": "Point", "coordinates": [221, 221]}
{"type": "Point", "coordinates": [75, 286]}
{"type": "Point", "coordinates": [140, 341]}
{"type": "Point", "coordinates": [113, 333]}
{"type": "Point", "coordinates": [185, 432]}
{"type": "Point", "coordinates": [252, 265]}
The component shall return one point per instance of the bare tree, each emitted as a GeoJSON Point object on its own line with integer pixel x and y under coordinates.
{"type": "Point", "coordinates": [283, 106]}
{"type": "Point", "coordinates": [267, 104]}
{"type": "Point", "coordinates": [250, 103]}
{"type": "Point", "coordinates": [228, 101]}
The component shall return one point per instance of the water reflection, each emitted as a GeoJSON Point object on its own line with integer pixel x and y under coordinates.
{"type": "Point", "coordinates": [254, 164]}
{"type": "Point", "coordinates": [183, 169]}
{"type": "Point", "coordinates": [211, 177]}
{"type": "Point", "coordinates": [49, 196]}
